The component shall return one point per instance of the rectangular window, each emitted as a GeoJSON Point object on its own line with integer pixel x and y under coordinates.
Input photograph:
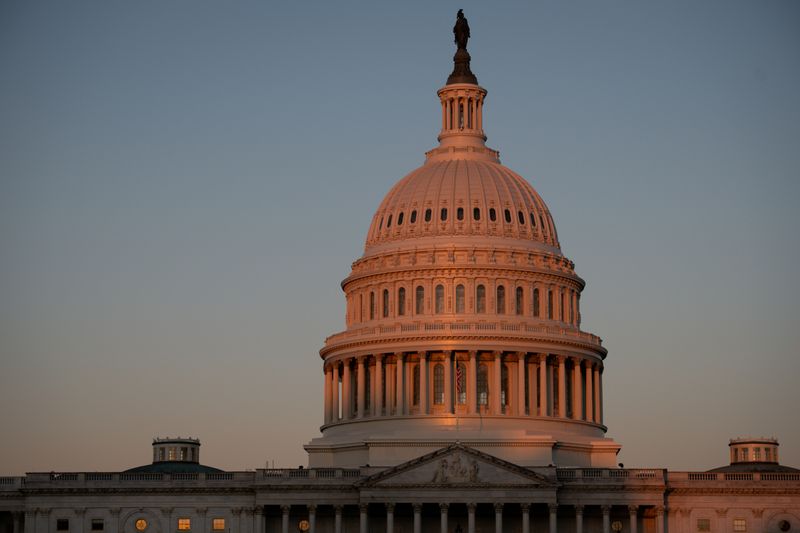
{"type": "Point", "coordinates": [98, 524]}
{"type": "Point", "coordinates": [739, 524]}
{"type": "Point", "coordinates": [184, 524]}
{"type": "Point", "coordinates": [745, 454]}
{"type": "Point", "coordinates": [218, 524]}
{"type": "Point", "coordinates": [62, 524]}
{"type": "Point", "coordinates": [768, 455]}
{"type": "Point", "coordinates": [703, 524]}
{"type": "Point", "coordinates": [756, 454]}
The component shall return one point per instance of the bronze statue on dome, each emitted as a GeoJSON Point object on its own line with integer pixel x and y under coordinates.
{"type": "Point", "coordinates": [461, 30]}
{"type": "Point", "coordinates": [461, 71]}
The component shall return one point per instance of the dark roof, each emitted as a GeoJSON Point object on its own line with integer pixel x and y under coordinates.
{"type": "Point", "coordinates": [175, 467]}
{"type": "Point", "coordinates": [754, 467]}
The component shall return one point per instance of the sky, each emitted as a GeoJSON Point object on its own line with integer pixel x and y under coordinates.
{"type": "Point", "coordinates": [184, 184]}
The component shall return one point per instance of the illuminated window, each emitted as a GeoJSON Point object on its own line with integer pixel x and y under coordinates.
{"type": "Point", "coordinates": [460, 213]}
{"type": "Point", "coordinates": [745, 454]}
{"type": "Point", "coordinates": [385, 303]}
{"type": "Point", "coordinates": [140, 524]}
{"type": "Point", "coordinates": [483, 385]}
{"type": "Point", "coordinates": [401, 301]}
{"type": "Point", "coordinates": [739, 524]}
{"type": "Point", "coordinates": [400, 219]}
{"type": "Point", "coordinates": [703, 524]}
{"type": "Point", "coordinates": [501, 300]}
{"type": "Point", "coordinates": [218, 524]}
{"type": "Point", "coordinates": [459, 298]}
{"type": "Point", "coordinates": [371, 305]}
{"type": "Point", "coordinates": [492, 214]}
{"type": "Point", "coordinates": [420, 300]}
{"type": "Point", "coordinates": [171, 454]}
{"type": "Point", "coordinates": [184, 524]}
{"type": "Point", "coordinates": [480, 299]}
{"type": "Point", "coordinates": [98, 524]}
{"type": "Point", "coordinates": [536, 302]}
{"type": "Point", "coordinates": [439, 299]}
{"type": "Point", "coordinates": [438, 384]}
{"type": "Point", "coordinates": [427, 215]}
{"type": "Point", "coordinates": [183, 454]}
{"type": "Point", "coordinates": [518, 300]}
{"type": "Point", "coordinates": [62, 524]}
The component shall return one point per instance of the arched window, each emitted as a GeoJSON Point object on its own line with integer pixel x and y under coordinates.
{"type": "Point", "coordinates": [492, 214]}
{"type": "Point", "coordinates": [438, 384]}
{"type": "Point", "coordinates": [518, 301]}
{"type": "Point", "coordinates": [533, 221]}
{"type": "Point", "coordinates": [501, 299]}
{"type": "Point", "coordinates": [443, 214]}
{"type": "Point", "coordinates": [520, 217]}
{"type": "Point", "coordinates": [419, 303]}
{"type": "Point", "coordinates": [504, 396]}
{"type": "Point", "coordinates": [460, 213]}
{"type": "Point", "coordinates": [427, 215]}
{"type": "Point", "coordinates": [439, 309]}
{"type": "Point", "coordinates": [413, 216]}
{"type": "Point", "coordinates": [550, 305]}
{"type": "Point", "coordinates": [380, 226]}
{"type": "Point", "coordinates": [461, 383]}
{"type": "Point", "coordinates": [536, 302]}
{"type": "Point", "coordinates": [483, 385]}
{"type": "Point", "coordinates": [401, 301]}
{"type": "Point", "coordinates": [480, 299]}
{"type": "Point", "coordinates": [507, 215]}
{"type": "Point", "coordinates": [360, 307]}
{"type": "Point", "coordinates": [562, 305]}
{"type": "Point", "coordinates": [415, 393]}
{"type": "Point", "coordinates": [372, 306]}
{"type": "Point", "coordinates": [476, 213]}
{"type": "Point", "coordinates": [459, 299]}
{"type": "Point", "coordinates": [400, 219]}
{"type": "Point", "coordinates": [385, 303]}
{"type": "Point", "coordinates": [389, 222]}
{"type": "Point", "coordinates": [571, 308]}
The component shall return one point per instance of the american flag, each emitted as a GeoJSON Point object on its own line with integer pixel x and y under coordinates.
{"type": "Point", "coordinates": [459, 378]}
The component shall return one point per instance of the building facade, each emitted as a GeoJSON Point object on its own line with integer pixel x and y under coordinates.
{"type": "Point", "coordinates": [462, 395]}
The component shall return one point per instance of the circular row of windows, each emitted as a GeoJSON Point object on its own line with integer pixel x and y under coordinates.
{"type": "Point", "coordinates": [476, 215]}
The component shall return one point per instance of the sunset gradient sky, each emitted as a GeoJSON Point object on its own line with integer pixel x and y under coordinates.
{"type": "Point", "coordinates": [183, 185]}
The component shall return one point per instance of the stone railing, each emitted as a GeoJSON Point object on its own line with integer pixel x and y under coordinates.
{"type": "Point", "coordinates": [440, 327]}
{"type": "Point", "coordinates": [733, 476]}
{"type": "Point", "coordinates": [11, 483]}
{"type": "Point", "coordinates": [610, 475]}
{"type": "Point", "coordinates": [310, 473]}
{"type": "Point", "coordinates": [106, 479]}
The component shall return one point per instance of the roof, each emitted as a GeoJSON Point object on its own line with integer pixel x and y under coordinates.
{"type": "Point", "coordinates": [754, 466]}
{"type": "Point", "coordinates": [175, 467]}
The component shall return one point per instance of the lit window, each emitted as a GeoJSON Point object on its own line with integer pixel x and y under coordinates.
{"type": "Point", "coordinates": [519, 304]}
{"type": "Point", "coordinates": [703, 524]}
{"type": "Point", "coordinates": [438, 384]}
{"type": "Point", "coordinates": [492, 214]}
{"type": "Point", "coordinates": [401, 301]}
{"type": "Point", "coordinates": [483, 385]}
{"type": "Point", "coordinates": [476, 213]}
{"type": "Point", "coordinates": [140, 524]}
{"type": "Point", "coordinates": [507, 215]}
{"type": "Point", "coordinates": [413, 216]}
{"type": "Point", "coordinates": [183, 454]}
{"type": "Point", "coordinates": [739, 524]}
{"type": "Point", "coordinates": [460, 213]}
{"type": "Point", "coordinates": [171, 455]}
{"type": "Point", "coordinates": [521, 218]}
{"type": "Point", "coordinates": [536, 302]}
{"type": "Point", "coordinates": [745, 454]}
{"type": "Point", "coordinates": [184, 524]}
{"type": "Point", "coordinates": [480, 299]}
{"type": "Point", "coordinates": [461, 383]}
{"type": "Point", "coordinates": [501, 300]}
{"type": "Point", "coordinates": [98, 524]}
{"type": "Point", "coordinates": [385, 303]}
{"type": "Point", "coordinates": [459, 298]}
{"type": "Point", "coordinates": [439, 299]}
{"type": "Point", "coordinates": [420, 300]}
{"type": "Point", "coordinates": [443, 214]}
{"type": "Point", "coordinates": [400, 219]}
{"type": "Point", "coordinates": [62, 524]}
{"type": "Point", "coordinates": [427, 215]}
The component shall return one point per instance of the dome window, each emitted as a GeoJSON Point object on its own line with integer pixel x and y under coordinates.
{"type": "Point", "coordinates": [520, 217]}
{"type": "Point", "coordinates": [443, 214]}
{"type": "Point", "coordinates": [460, 213]}
{"type": "Point", "coordinates": [389, 222]}
{"type": "Point", "coordinates": [385, 303]}
{"type": "Point", "coordinates": [483, 385]}
{"type": "Point", "coordinates": [480, 299]}
{"type": "Point", "coordinates": [507, 215]}
{"type": "Point", "coordinates": [492, 214]}
{"type": "Point", "coordinates": [459, 299]}
{"type": "Point", "coordinates": [439, 309]}
{"type": "Point", "coordinates": [414, 216]}
{"type": "Point", "coordinates": [419, 300]}
{"type": "Point", "coordinates": [501, 300]}
{"type": "Point", "coordinates": [401, 301]}
{"type": "Point", "coordinates": [400, 219]}
{"type": "Point", "coordinates": [427, 215]}
{"type": "Point", "coordinates": [438, 384]}
{"type": "Point", "coordinates": [519, 300]}
{"type": "Point", "coordinates": [536, 303]}
{"type": "Point", "coordinates": [533, 220]}
{"type": "Point", "coordinates": [476, 213]}
{"type": "Point", "coordinates": [380, 226]}
{"type": "Point", "coordinates": [372, 306]}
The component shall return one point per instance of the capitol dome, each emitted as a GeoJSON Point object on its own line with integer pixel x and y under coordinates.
{"type": "Point", "coordinates": [463, 318]}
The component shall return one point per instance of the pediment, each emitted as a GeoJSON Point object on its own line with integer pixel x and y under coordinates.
{"type": "Point", "coordinates": [456, 465]}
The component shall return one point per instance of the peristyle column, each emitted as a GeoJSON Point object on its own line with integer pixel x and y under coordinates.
{"type": "Point", "coordinates": [327, 396]}
{"type": "Point", "coordinates": [494, 393]}
{"type": "Point", "coordinates": [576, 389]}
{"type": "Point", "coordinates": [553, 517]}
{"type": "Point", "coordinates": [423, 383]}
{"type": "Point", "coordinates": [633, 511]}
{"type": "Point", "coordinates": [587, 365]}
{"type": "Point", "coordinates": [398, 389]}
{"type": "Point", "coordinates": [389, 518]}
{"type": "Point", "coordinates": [285, 518]}
{"type": "Point", "coordinates": [597, 394]}
{"type": "Point", "coordinates": [562, 386]}
{"type": "Point", "coordinates": [377, 405]}
{"type": "Point", "coordinates": [443, 517]}
{"type": "Point", "coordinates": [362, 386]}
{"type": "Point", "coordinates": [471, 517]}
{"type": "Point", "coordinates": [417, 518]}
{"type": "Point", "coordinates": [579, 519]}
{"type": "Point", "coordinates": [498, 517]}
{"type": "Point", "coordinates": [448, 382]}
{"type": "Point", "coordinates": [526, 517]}
{"type": "Point", "coordinates": [520, 410]}
{"type": "Point", "coordinates": [347, 395]}
{"type": "Point", "coordinates": [606, 518]}
{"type": "Point", "coordinates": [543, 411]}
{"type": "Point", "coordinates": [472, 383]}
{"type": "Point", "coordinates": [335, 392]}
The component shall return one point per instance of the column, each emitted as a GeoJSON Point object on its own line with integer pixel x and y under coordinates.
{"type": "Point", "coordinates": [494, 391]}
{"type": "Point", "coordinates": [362, 386]}
{"type": "Point", "coordinates": [312, 517]}
{"type": "Point", "coordinates": [597, 394]}
{"type": "Point", "coordinates": [389, 518]}
{"type": "Point", "coordinates": [443, 517]}
{"type": "Point", "coordinates": [448, 382]}
{"type": "Point", "coordinates": [347, 395]}
{"type": "Point", "coordinates": [363, 524]}
{"type": "Point", "coordinates": [114, 525]}
{"type": "Point", "coordinates": [377, 405]}
{"type": "Point", "coordinates": [659, 519]}
{"type": "Point", "coordinates": [587, 365]}
{"type": "Point", "coordinates": [553, 517]}
{"type": "Point", "coordinates": [526, 517]}
{"type": "Point", "coordinates": [285, 518]}
{"type": "Point", "coordinates": [532, 388]}
{"type": "Point", "coordinates": [417, 518]}
{"type": "Point", "coordinates": [335, 392]}
{"type": "Point", "coordinates": [390, 395]}
{"type": "Point", "coordinates": [258, 519]}
{"type": "Point", "coordinates": [562, 386]}
{"type": "Point", "coordinates": [579, 519]}
{"type": "Point", "coordinates": [327, 398]}
{"type": "Point", "coordinates": [398, 389]}
{"type": "Point", "coordinates": [471, 517]}
{"type": "Point", "coordinates": [166, 518]}
{"type": "Point", "coordinates": [543, 385]}
{"type": "Point", "coordinates": [15, 522]}
{"type": "Point", "coordinates": [520, 410]}
{"type": "Point", "coordinates": [556, 303]}
{"type": "Point", "coordinates": [633, 510]}
{"type": "Point", "coordinates": [80, 513]}
{"type": "Point", "coordinates": [444, 115]}
{"type": "Point", "coordinates": [574, 308]}
{"type": "Point", "coordinates": [606, 518]}
{"type": "Point", "coordinates": [498, 518]}
{"type": "Point", "coordinates": [30, 521]}
{"type": "Point", "coordinates": [577, 400]}
{"type": "Point", "coordinates": [472, 383]}
{"type": "Point", "coordinates": [423, 383]}
{"type": "Point", "coordinates": [337, 519]}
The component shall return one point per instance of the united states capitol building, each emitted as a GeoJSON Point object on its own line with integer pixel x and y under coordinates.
{"type": "Point", "coordinates": [462, 396]}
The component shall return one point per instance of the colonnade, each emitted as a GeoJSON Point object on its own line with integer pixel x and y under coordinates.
{"type": "Point", "coordinates": [444, 517]}
{"type": "Point", "coordinates": [462, 112]}
{"type": "Point", "coordinates": [464, 383]}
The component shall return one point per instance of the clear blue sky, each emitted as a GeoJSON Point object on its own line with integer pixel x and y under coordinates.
{"type": "Point", "coordinates": [184, 184]}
